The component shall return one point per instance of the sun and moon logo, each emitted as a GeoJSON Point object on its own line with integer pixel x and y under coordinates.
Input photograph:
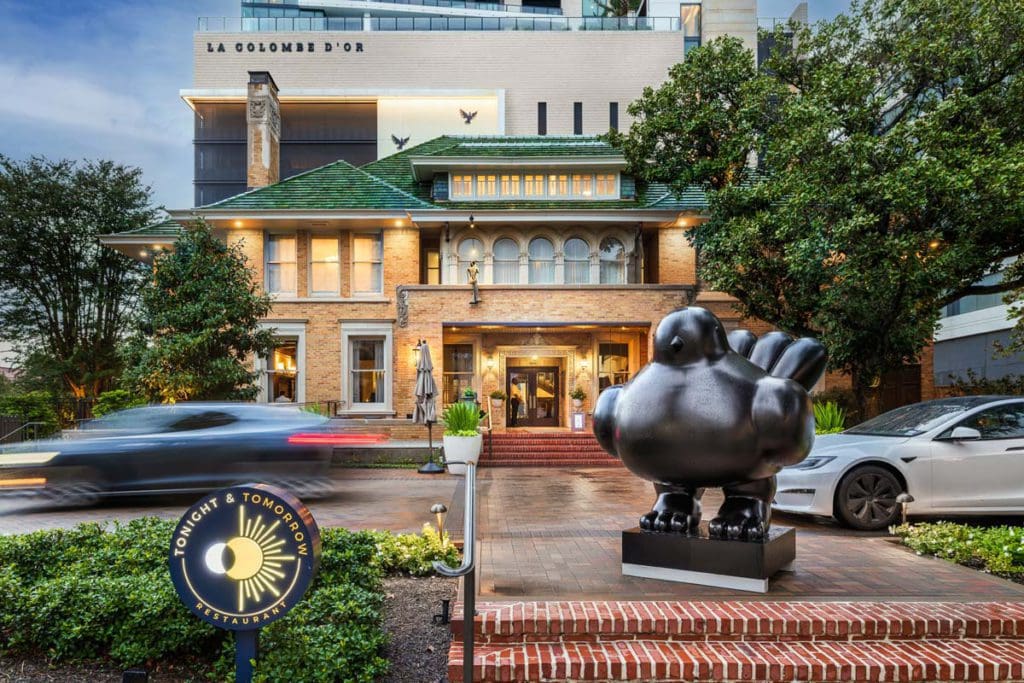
{"type": "Point", "coordinates": [253, 559]}
{"type": "Point", "coordinates": [242, 557]}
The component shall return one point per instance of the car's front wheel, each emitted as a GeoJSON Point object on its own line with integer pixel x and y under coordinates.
{"type": "Point", "coordinates": [866, 498]}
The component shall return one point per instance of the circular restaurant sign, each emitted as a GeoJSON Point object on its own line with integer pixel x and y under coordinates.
{"type": "Point", "coordinates": [243, 556]}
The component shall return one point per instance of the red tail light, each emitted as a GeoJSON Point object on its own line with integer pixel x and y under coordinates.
{"type": "Point", "coordinates": [331, 439]}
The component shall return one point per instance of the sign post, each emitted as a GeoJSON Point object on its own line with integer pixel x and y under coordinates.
{"type": "Point", "coordinates": [241, 558]}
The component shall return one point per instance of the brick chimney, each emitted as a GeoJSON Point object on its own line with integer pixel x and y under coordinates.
{"type": "Point", "coordinates": [263, 130]}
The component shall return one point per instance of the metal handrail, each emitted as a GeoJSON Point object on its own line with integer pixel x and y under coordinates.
{"type": "Point", "coordinates": [468, 527]}
{"type": "Point", "coordinates": [467, 570]}
{"type": "Point", "coordinates": [35, 435]}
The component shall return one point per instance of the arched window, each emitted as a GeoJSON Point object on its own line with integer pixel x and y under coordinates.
{"type": "Point", "coordinates": [613, 262]}
{"type": "Point", "coordinates": [542, 261]}
{"type": "Point", "coordinates": [577, 261]}
{"type": "Point", "coordinates": [470, 249]}
{"type": "Point", "coordinates": [506, 262]}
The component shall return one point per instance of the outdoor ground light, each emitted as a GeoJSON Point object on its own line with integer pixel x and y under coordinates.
{"type": "Point", "coordinates": [439, 510]}
{"type": "Point", "coordinates": [904, 500]}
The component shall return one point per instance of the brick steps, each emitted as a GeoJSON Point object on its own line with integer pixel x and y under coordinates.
{"type": "Point", "coordinates": [776, 641]}
{"type": "Point", "coordinates": [545, 449]}
{"type": "Point", "coordinates": [641, 660]}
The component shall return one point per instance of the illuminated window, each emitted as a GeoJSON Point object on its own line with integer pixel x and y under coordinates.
{"type": "Point", "coordinates": [510, 186]}
{"type": "Point", "coordinates": [280, 264]}
{"type": "Point", "coordinates": [582, 185]}
{"type": "Point", "coordinates": [612, 364]}
{"type": "Point", "coordinates": [577, 261]}
{"type": "Point", "coordinates": [558, 185]}
{"type": "Point", "coordinates": [605, 185]}
{"type": "Point", "coordinates": [367, 266]}
{"type": "Point", "coordinates": [325, 267]}
{"type": "Point", "coordinates": [462, 186]}
{"type": "Point", "coordinates": [367, 368]}
{"type": "Point", "coordinates": [366, 358]}
{"type": "Point", "coordinates": [457, 371]}
{"type": "Point", "coordinates": [533, 186]}
{"type": "Point", "coordinates": [486, 186]}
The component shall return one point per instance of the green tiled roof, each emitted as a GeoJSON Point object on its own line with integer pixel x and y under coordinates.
{"type": "Point", "coordinates": [338, 185]}
{"type": "Point", "coordinates": [165, 228]}
{"type": "Point", "coordinates": [396, 171]}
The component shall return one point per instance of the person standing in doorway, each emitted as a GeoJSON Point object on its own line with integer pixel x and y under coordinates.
{"type": "Point", "coordinates": [513, 404]}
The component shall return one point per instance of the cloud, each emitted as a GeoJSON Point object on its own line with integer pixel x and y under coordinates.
{"type": "Point", "coordinates": [53, 97]}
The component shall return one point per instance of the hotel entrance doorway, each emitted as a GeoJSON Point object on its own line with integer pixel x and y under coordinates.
{"type": "Point", "coordinates": [538, 394]}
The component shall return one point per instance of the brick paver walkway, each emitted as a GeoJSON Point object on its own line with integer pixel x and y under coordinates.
{"type": "Point", "coordinates": [554, 534]}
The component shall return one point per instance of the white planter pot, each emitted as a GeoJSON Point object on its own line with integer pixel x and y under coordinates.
{"type": "Point", "coordinates": [497, 402]}
{"type": "Point", "coordinates": [463, 449]}
{"type": "Point", "coordinates": [577, 403]}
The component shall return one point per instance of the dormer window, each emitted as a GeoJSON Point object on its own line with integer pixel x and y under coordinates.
{"type": "Point", "coordinates": [568, 186]}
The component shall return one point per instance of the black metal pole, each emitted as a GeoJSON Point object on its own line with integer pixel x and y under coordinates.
{"type": "Point", "coordinates": [246, 647]}
{"type": "Point", "coordinates": [468, 624]}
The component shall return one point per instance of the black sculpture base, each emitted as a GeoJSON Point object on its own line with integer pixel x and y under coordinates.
{"type": "Point", "coordinates": [739, 565]}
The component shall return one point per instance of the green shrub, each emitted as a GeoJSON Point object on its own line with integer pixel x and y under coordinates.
{"type": "Point", "coordinates": [578, 394]}
{"type": "Point", "coordinates": [31, 406]}
{"type": "Point", "coordinates": [498, 395]}
{"type": "Point", "coordinates": [998, 549]}
{"type": "Point", "coordinates": [461, 419]}
{"type": "Point", "coordinates": [116, 399]}
{"type": "Point", "coordinates": [829, 418]}
{"type": "Point", "coordinates": [845, 399]}
{"type": "Point", "coordinates": [100, 595]}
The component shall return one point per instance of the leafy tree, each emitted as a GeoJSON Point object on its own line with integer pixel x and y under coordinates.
{"type": "Point", "coordinates": [619, 8]}
{"type": "Point", "coordinates": [871, 173]}
{"type": "Point", "coordinates": [65, 297]}
{"type": "Point", "coordinates": [201, 313]}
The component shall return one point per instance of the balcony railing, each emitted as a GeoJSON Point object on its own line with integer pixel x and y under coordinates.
{"type": "Point", "coordinates": [533, 23]}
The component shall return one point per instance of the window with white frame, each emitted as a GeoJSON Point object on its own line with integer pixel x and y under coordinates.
{"type": "Point", "coordinates": [558, 185]}
{"type": "Point", "coordinates": [582, 185]}
{"type": "Point", "coordinates": [462, 185]}
{"type": "Point", "coordinates": [470, 249]}
{"type": "Point", "coordinates": [533, 186]}
{"type": "Point", "coordinates": [324, 266]}
{"type": "Point", "coordinates": [613, 262]}
{"type": "Point", "coordinates": [542, 261]}
{"type": "Point", "coordinates": [367, 264]}
{"type": "Point", "coordinates": [486, 186]}
{"type": "Point", "coordinates": [506, 262]}
{"type": "Point", "coordinates": [577, 261]}
{"type": "Point", "coordinates": [366, 349]}
{"type": "Point", "coordinates": [280, 264]}
{"type": "Point", "coordinates": [492, 186]}
{"type": "Point", "coordinates": [509, 185]}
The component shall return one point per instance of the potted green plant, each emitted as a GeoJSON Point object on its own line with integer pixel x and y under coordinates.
{"type": "Point", "coordinates": [578, 396]}
{"type": "Point", "coordinates": [468, 395]}
{"type": "Point", "coordinates": [462, 438]}
{"type": "Point", "coordinates": [498, 398]}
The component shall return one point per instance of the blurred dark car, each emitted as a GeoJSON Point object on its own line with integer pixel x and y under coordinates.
{"type": "Point", "coordinates": [175, 448]}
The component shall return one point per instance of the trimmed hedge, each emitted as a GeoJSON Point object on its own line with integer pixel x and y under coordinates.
{"type": "Point", "coordinates": [91, 594]}
{"type": "Point", "coordinates": [997, 549]}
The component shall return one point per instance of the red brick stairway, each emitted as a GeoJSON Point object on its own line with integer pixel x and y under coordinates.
{"type": "Point", "coordinates": [545, 449]}
{"type": "Point", "coordinates": [741, 641]}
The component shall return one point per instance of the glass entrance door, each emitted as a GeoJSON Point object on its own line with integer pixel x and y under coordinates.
{"type": "Point", "coordinates": [534, 396]}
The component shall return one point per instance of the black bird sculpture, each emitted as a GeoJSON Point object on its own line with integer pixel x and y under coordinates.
{"type": "Point", "coordinates": [711, 410]}
{"type": "Point", "coordinates": [399, 142]}
{"type": "Point", "coordinates": [468, 115]}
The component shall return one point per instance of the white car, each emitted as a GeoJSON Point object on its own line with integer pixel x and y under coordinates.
{"type": "Point", "coordinates": [955, 456]}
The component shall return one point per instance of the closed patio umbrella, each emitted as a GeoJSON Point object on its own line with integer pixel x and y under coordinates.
{"type": "Point", "coordinates": [425, 411]}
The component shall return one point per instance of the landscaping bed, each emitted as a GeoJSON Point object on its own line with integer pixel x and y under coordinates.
{"type": "Point", "coordinates": [90, 602]}
{"type": "Point", "coordinates": [995, 550]}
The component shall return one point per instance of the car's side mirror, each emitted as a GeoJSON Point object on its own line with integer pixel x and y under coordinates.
{"type": "Point", "coordinates": [965, 434]}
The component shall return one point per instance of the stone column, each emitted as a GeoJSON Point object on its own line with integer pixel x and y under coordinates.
{"type": "Point", "coordinates": [263, 131]}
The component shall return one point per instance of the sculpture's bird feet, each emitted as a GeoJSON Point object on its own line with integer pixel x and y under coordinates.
{"type": "Point", "coordinates": [743, 519]}
{"type": "Point", "coordinates": [674, 512]}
